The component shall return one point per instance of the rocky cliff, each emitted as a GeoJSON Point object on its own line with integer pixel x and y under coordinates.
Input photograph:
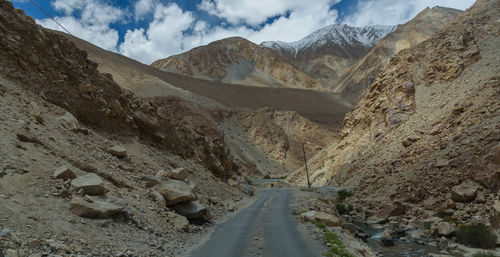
{"type": "Point", "coordinates": [358, 77]}
{"type": "Point", "coordinates": [428, 123]}
{"type": "Point", "coordinates": [237, 61]}
{"type": "Point", "coordinates": [329, 52]}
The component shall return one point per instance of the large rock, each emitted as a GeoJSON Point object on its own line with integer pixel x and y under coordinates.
{"type": "Point", "coordinates": [465, 192]}
{"type": "Point", "coordinates": [118, 151]}
{"type": "Point", "coordinates": [325, 218]}
{"type": "Point", "coordinates": [64, 172]}
{"type": "Point", "coordinates": [381, 216]}
{"type": "Point", "coordinates": [175, 191]}
{"type": "Point", "coordinates": [178, 221]}
{"type": "Point", "coordinates": [91, 184]}
{"type": "Point", "coordinates": [179, 173]}
{"type": "Point", "coordinates": [443, 229]}
{"type": "Point", "coordinates": [191, 210]}
{"type": "Point", "coordinates": [69, 122]}
{"type": "Point", "coordinates": [97, 206]}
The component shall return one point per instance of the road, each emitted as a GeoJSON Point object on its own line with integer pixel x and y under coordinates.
{"type": "Point", "coordinates": [265, 228]}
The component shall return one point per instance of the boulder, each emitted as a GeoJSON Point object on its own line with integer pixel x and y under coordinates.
{"type": "Point", "coordinates": [35, 112]}
{"type": "Point", "coordinates": [65, 173]}
{"type": "Point", "coordinates": [158, 198]}
{"type": "Point", "coordinates": [118, 151]}
{"type": "Point", "coordinates": [190, 210]}
{"type": "Point", "coordinates": [381, 216]}
{"type": "Point", "coordinates": [325, 218]}
{"type": "Point", "coordinates": [178, 221]}
{"type": "Point", "coordinates": [91, 184]}
{"type": "Point", "coordinates": [441, 163]}
{"type": "Point", "coordinates": [465, 192]}
{"type": "Point", "coordinates": [179, 173]}
{"type": "Point", "coordinates": [175, 191]}
{"type": "Point", "coordinates": [97, 206]}
{"type": "Point", "coordinates": [69, 122]}
{"type": "Point", "coordinates": [443, 229]}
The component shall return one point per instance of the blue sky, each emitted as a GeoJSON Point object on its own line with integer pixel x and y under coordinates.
{"type": "Point", "coordinates": [147, 30]}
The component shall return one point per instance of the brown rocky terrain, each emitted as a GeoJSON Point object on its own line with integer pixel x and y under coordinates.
{"type": "Point", "coordinates": [358, 77]}
{"type": "Point", "coordinates": [237, 61]}
{"type": "Point", "coordinates": [89, 168]}
{"type": "Point", "coordinates": [426, 134]}
{"type": "Point", "coordinates": [328, 53]}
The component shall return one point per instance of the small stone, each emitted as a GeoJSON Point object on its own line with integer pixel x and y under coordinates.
{"type": "Point", "coordinates": [91, 184]}
{"type": "Point", "coordinates": [157, 197]}
{"type": "Point", "coordinates": [118, 151]}
{"type": "Point", "coordinates": [11, 253]}
{"type": "Point", "coordinates": [35, 112]}
{"type": "Point", "coordinates": [441, 163]}
{"type": "Point", "coordinates": [179, 174]}
{"type": "Point", "coordinates": [5, 232]}
{"type": "Point", "coordinates": [65, 173]}
{"type": "Point", "coordinates": [178, 221]}
{"type": "Point", "coordinates": [214, 200]}
{"type": "Point", "coordinates": [69, 122]}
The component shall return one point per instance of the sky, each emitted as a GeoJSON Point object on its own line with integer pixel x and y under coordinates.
{"type": "Point", "coordinates": [148, 30]}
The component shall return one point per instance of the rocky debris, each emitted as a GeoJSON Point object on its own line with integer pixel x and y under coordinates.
{"type": "Point", "coordinates": [191, 210]}
{"type": "Point", "coordinates": [175, 191]}
{"type": "Point", "coordinates": [229, 205]}
{"type": "Point", "coordinates": [465, 192]}
{"type": "Point", "coordinates": [97, 206]}
{"type": "Point", "coordinates": [325, 218]}
{"type": "Point", "coordinates": [214, 200]}
{"type": "Point", "coordinates": [179, 174]}
{"type": "Point", "coordinates": [69, 122]}
{"type": "Point", "coordinates": [35, 112]}
{"type": "Point", "coordinates": [118, 151]}
{"type": "Point", "coordinates": [381, 216]}
{"type": "Point", "coordinates": [410, 140]}
{"type": "Point", "coordinates": [64, 172]}
{"type": "Point", "coordinates": [178, 221]}
{"type": "Point", "coordinates": [442, 229]}
{"type": "Point", "coordinates": [158, 198]}
{"type": "Point", "coordinates": [90, 183]}
{"type": "Point", "coordinates": [232, 182]}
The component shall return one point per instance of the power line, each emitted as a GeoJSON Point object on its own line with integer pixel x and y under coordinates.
{"type": "Point", "coordinates": [83, 45]}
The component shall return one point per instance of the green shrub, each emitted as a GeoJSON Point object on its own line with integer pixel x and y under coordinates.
{"type": "Point", "coordinates": [341, 208]}
{"type": "Point", "coordinates": [454, 220]}
{"type": "Point", "coordinates": [342, 195]}
{"type": "Point", "coordinates": [319, 224]}
{"type": "Point", "coordinates": [441, 213]}
{"type": "Point", "coordinates": [476, 235]}
{"type": "Point", "coordinates": [484, 254]}
{"type": "Point", "coordinates": [267, 176]}
{"type": "Point", "coordinates": [338, 248]}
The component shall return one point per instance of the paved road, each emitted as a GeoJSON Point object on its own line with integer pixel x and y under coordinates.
{"type": "Point", "coordinates": [266, 228]}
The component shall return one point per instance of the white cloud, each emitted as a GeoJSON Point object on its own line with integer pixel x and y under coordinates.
{"type": "Point", "coordinates": [92, 22]}
{"type": "Point", "coordinates": [392, 12]}
{"type": "Point", "coordinates": [164, 36]}
{"type": "Point", "coordinates": [143, 7]}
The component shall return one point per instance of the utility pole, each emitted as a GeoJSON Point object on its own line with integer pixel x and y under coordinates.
{"type": "Point", "coordinates": [305, 163]}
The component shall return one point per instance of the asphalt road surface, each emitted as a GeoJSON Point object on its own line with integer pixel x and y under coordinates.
{"type": "Point", "coordinates": [266, 228]}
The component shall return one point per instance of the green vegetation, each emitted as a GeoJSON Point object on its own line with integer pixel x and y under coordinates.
{"type": "Point", "coordinates": [476, 235]}
{"type": "Point", "coordinates": [267, 176]}
{"type": "Point", "coordinates": [441, 213]}
{"type": "Point", "coordinates": [484, 254]}
{"type": "Point", "coordinates": [342, 195]}
{"type": "Point", "coordinates": [341, 208]}
{"type": "Point", "coordinates": [338, 248]}
{"type": "Point", "coordinates": [319, 224]}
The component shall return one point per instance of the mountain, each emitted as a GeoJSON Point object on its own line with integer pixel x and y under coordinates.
{"type": "Point", "coordinates": [351, 85]}
{"type": "Point", "coordinates": [428, 126]}
{"type": "Point", "coordinates": [328, 52]}
{"type": "Point", "coordinates": [237, 61]}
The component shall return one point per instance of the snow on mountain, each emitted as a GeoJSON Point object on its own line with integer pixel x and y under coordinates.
{"type": "Point", "coordinates": [338, 34]}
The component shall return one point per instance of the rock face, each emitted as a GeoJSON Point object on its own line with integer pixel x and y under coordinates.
{"type": "Point", "coordinates": [179, 174]}
{"type": "Point", "coordinates": [328, 53]}
{"type": "Point", "coordinates": [465, 192]}
{"type": "Point", "coordinates": [191, 210]}
{"type": "Point", "coordinates": [445, 91]}
{"type": "Point", "coordinates": [352, 84]}
{"type": "Point", "coordinates": [96, 207]}
{"type": "Point", "coordinates": [237, 61]}
{"type": "Point", "coordinates": [90, 183]}
{"type": "Point", "coordinates": [175, 191]}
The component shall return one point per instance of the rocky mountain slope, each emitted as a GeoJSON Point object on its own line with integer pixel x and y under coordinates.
{"type": "Point", "coordinates": [328, 52]}
{"type": "Point", "coordinates": [428, 127]}
{"type": "Point", "coordinates": [237, 61]}
{"type": "Point", "coordinates": [353, 83]}
{"type": "Point", "coordinates": [88, 168]}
